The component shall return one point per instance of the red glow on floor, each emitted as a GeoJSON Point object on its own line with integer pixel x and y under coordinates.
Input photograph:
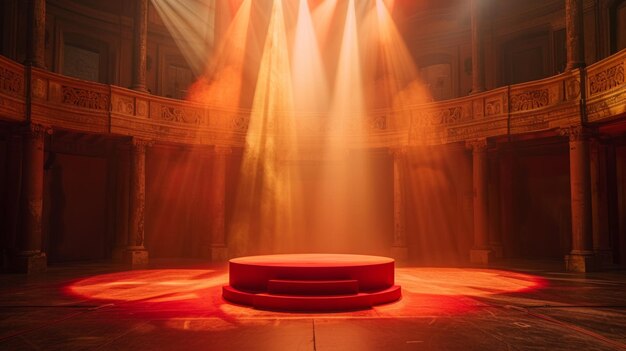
{"type": "Point", "coordinates": [188, 293]}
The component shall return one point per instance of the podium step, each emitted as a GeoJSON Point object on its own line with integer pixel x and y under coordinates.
{"type": "Point", "coordinates": [265, 301]}
{"type": "Point", "coordinates": [313, 287]}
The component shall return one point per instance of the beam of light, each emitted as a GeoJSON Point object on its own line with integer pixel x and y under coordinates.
{"type": "Point", "coordinates": [322, 17]}
{"type": "Point", "coordinates": [222, 83]}
{"type": "Point", "coordinates": [344, 207]}
{"type": "Point", "coordinates": [264, 217]}
{"type": "Point", "coordinates": [191, 23]}
{"type": "Point", "coordinates": [391, 5]}
{"type": "Point", "coordinates": [309, 81]}
{"type": "Point", "coordinates": [396, 83]}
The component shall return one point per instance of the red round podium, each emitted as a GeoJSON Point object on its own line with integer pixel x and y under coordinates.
{"type": "Point", "coordinates": [311, 282]}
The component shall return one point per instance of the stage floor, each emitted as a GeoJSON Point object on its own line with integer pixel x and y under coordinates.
{"type": "Point", "coordinates": [177, 305]}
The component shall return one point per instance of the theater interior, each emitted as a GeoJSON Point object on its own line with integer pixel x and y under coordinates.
{"type": "Point", "coordinates": [312, 175]}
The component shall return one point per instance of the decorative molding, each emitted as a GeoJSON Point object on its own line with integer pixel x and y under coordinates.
{"type": "Point", "coordinates": [240, 122]}
{"type": "Point", "coordinates": [543, 105]}
{"type": "Point", "coordinates": [39, 88]}
{"type": "Point", "coordinates": [607, 79]}
{"type": "Point", "coordinates": [530, 100]}
{"type": "Point", "coordinates": [222, 150]}
{"type": "Point", "coordinates": [123, 104]}
{"type": "Point", "coordinates": [378, 122]}
{"type": "Point", "coordinates": [35, 131]}
{"type": "Point", "coordinates": [399, 152]}
{"type": "Point", "coordinates": [181, 115]}
{"type": "Point", "coordinates": [445, 116]}
{"type": "Point", "coordinates": [477, 145]}
{"type": "Point", "coordinates": [572, 89]}
{"type": "Point", "coordinates": [84, 98]}
{"type": "Point", "coordinates": [577, 133]}
{"type": "Point", "coordinates": [493, 107]}
{"type": "Point", "coordinates": [11, 82]}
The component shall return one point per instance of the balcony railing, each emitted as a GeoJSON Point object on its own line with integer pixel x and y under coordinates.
{"type": "Point", "coordinates": [67, 103]}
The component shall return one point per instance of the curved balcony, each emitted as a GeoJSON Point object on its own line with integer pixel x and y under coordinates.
{"type": "Point", "coordinates": [39, 96]}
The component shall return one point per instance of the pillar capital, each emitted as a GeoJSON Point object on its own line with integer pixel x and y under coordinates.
{"type": "Point", "coordinates": [477, 145]}
{"type": "Point", "coordinates": [35, 131]}
{"type": "Point", "coordinates": [222, 150]}
{"type": "Point", "coordinates": [399, 152]}
{"type": "Point", "coordinates": [577, 133]}
{"type": "Point", "coordinates": [139, 144]}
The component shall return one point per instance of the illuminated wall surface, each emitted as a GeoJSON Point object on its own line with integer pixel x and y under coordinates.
{"type": "Point", "coordinates": [288, 62]}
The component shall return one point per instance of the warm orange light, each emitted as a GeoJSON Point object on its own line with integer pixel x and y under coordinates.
{"type": "Point", "coordinates": [188, 293]}
{"type": "Point", "coordinates": [149, 286]}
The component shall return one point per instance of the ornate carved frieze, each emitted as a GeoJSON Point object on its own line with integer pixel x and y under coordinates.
{"type": "Point", "coordinates": [378, 122]}
{"type": "Point", "coordinates": [493, 107]}
{"type": "Point", "coordinates": [39, 88]}
{"type": "Point", "coordinates": [606, 108]}
{"type": "Point", "coordinates": [608, 79]}
{"type": "Point", "coordinates": [142, 108]}
{"type": "Point", "coordinates": [445, 116]}
{"type": "Point", "coordinates": [572, 89]}
{"type": "Point", "coordinates": [85, 98]}
{"type": "Point", "coordinates": [181, 115]}
{"type": "Point", "coordinates": [123, 104]}
{"type": "Point", "coordinates": [11, 82]}
{"type": "Point", "coordinates": [240, 122]}
{"type": "Point", "coordinates": [530, 100]}
{"type": "Point", "coordinates": [565, 114]}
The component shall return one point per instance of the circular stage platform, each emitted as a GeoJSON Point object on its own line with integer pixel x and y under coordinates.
{"type": "Point", "coordinates": [311, 282]}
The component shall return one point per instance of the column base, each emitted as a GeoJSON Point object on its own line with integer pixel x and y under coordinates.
{"type": "Point", "coordinates": [580, 262]}
{"type": "Point", "coordinates": [481, 257]}
{"type": "Point", "coordinates": [29, 263]}
{"type": "Point", "coordinates": [219, 253]}
{"type": "Point", "coordinates": [136, 257]}
{"type": "Point", "coordinates": [400, 253]}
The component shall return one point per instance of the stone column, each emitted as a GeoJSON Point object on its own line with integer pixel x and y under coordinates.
{"type": "Point", "coordinates": [481, 252]}
{"type": "Point", "coordinates": [136, 253]}
{"type": "Point", "coordinates": [478, 50]}
{"type": "Point", "coordinates": [219, 249]}
{"type": "Point", "coordinates": [29, 257]}
{"type": "Point", "coordinates": [574, 34]}
{"type": "Point", "coordinates": [581, 258]}
{"type": "Point", "coordinates": [140, 45]}
{"type": "Point", "coordinates": [36, 33]}
{"type": "Point", "coordinates": [599, 205]}
{"type": "Point", "coordinates": [399, 249]}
